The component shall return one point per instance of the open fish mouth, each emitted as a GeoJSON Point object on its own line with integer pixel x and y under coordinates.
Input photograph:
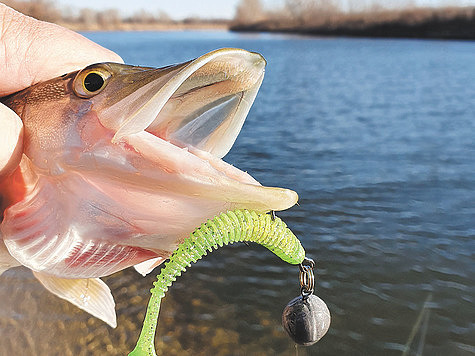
{"type": "Point", "coordinates": [203, 103]}
{"type": "Point", "coordinates": [195, 108]}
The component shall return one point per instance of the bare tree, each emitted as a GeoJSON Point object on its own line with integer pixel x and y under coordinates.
{"type": "Point", "coordinates": [312, 12]}
{"type": "Point", "coordinates": [142, 16]}
{"type": "Point", "coordinates": [44, 10]}
{"type": "Point", "coordinates": [108, 18]}
{"type": "Point", "coordinates": [87, 17]}
{"type": "Point", "coordinates": [162, 16]}
{"type": "Point", "coordinates": [249, 11]}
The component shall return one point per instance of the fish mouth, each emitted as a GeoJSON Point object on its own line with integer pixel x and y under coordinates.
{"type": "Point", "coordinates": [204, 104]}
{"type": "Point", "coordinates": [191, 113]}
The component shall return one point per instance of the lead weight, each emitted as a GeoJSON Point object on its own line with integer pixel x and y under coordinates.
{"type": "Point", "coordinates": [306, 319]}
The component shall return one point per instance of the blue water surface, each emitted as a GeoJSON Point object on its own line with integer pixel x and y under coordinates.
{"type": "Point", "coordinates": [377, 137]}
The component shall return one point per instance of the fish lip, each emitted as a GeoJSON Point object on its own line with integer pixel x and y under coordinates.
{"type": "Point", "coordinates": [215, 180]}
{"type": "Point", "coordinates": [242, 70]}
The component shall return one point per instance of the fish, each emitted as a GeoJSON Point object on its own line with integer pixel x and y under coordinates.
{"type": "Point", "coordinates": [120, 164]}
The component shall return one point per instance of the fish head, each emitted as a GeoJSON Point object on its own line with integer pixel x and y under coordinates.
{"type": "Point", "coordinates": [125, 158]}
{"type": "Point", "coordinates": [201, 103]}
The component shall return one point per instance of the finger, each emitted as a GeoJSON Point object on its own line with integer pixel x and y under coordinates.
{"type": "Point", "coordinates": [32, 51]}
{"type": "Point", "coordinates": [11, 142]}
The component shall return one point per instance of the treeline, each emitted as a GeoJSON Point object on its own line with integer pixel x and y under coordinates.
{"type": "Point", "coordinates": [350, 18]}
{"type": "Point", "coordinates": [108, 19]}
{"type": "Point", "coordinates": [362, 18]}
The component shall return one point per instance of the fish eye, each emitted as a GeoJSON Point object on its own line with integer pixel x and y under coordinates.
{"type": "Point", "coordinates": [90, 81]}
{"type": "Point", "coordinates": [93, 82]}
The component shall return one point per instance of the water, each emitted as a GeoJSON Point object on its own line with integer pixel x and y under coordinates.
{"type": "Point", "coordinates": [377, 137]}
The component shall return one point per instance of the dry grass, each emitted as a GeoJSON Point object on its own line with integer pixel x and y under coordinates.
{"type": "Point", "coordinates": [325, 17]}
{"type": "Point", "coordinates": [315, 17]}
{"type": "Point", "coordinates": [109, 19]}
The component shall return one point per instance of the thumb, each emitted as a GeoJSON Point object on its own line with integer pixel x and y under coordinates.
{"type": "Point", "coordinates": [11, 141]}
{"type": "Point", "coordinates": [32, 51]}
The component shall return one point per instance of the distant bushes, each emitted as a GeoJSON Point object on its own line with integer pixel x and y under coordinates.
{"type": "Point", "coordinates": [108, 19]}
{"type": "Point", "coordinates": [314, 17]}
{"type": "Point", "coordinates": [326, 17]}
{"type": "Point", "coordinates": [40, 9]}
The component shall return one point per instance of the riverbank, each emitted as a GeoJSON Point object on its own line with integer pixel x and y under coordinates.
{"type": "Point", "coordinates": [440, 23]}
{"type": "Point", "coordinates": [87, 20]}
{"type": "Point", "coordinates": [123, 26]}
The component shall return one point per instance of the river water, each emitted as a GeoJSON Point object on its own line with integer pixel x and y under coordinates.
{"type": "Point", "coordinates": [377, 137]}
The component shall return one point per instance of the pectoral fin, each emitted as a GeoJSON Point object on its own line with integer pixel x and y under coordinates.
{"type": "Point", "coordinates": [146, 267]}
{"type": "Point", "coordinates": [91, 295]}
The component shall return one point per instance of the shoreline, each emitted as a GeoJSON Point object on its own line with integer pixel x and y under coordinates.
{"type": "Point", "coordinates": [465, 32]}
{"type": "Point", "coordinates": [380, 32]}
{"type": "Point", "coordinates": [442, 24]}
{"type": "Point", "coordinates": [133, 27]}
{"type": "Point", "coordinates": [411, 22]}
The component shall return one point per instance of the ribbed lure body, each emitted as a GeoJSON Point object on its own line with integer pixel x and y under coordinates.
{"type": "Point", "coordinates": [224, 229]}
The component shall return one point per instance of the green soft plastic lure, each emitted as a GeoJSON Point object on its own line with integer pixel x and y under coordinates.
{"type": "Point", "coordinates": [224, 229]}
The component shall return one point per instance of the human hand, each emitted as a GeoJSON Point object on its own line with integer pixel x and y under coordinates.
{"type": "Point", "coordinates": [32, 51]}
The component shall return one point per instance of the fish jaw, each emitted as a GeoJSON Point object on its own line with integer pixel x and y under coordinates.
{"type": "Point", "coordinates": [127, 177]}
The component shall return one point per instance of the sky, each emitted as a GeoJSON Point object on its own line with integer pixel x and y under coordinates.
{"type": "Point", "coordinates": [179, 9]}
